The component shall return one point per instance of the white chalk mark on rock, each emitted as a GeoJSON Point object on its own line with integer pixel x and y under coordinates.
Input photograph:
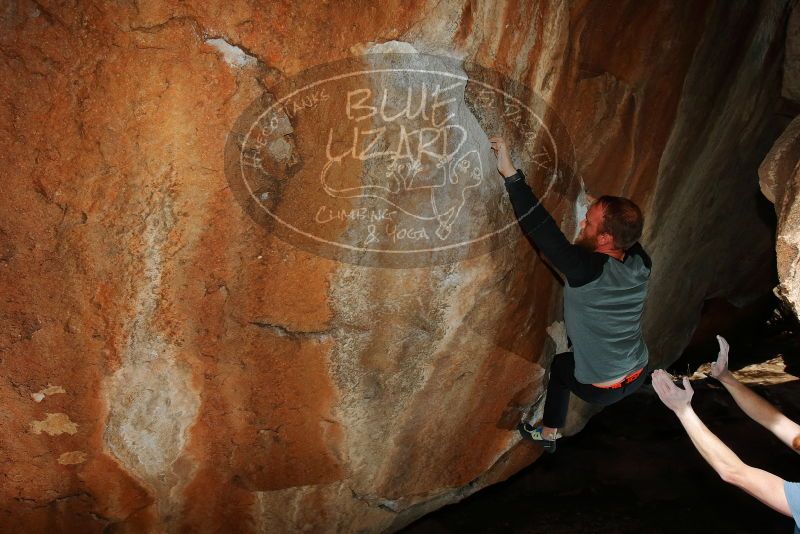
{"type": "Point", "coordinates": [581, 207]}
{"type": "Point", "coordinates": [49, 390]}
{"type": "Point", "coordinates": [233, 55]}
{"type": "Point", "coordinates": [558, 333]}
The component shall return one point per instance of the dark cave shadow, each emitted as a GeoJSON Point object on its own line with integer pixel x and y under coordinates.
{"type": "Point", "coordinates": [755, 334]}
{"type": "Point", "coordinates": [634, 469]}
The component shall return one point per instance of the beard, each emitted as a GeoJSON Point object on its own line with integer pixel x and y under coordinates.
{"type": "Point", "coordinates": [587, 242]}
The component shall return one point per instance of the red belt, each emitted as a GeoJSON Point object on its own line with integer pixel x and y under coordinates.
{"type": "Point", "coordinates": [627, 380]}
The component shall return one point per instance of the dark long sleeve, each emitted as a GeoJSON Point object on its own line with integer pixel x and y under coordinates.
{"type": "Point", "coordinates": [579, 265]}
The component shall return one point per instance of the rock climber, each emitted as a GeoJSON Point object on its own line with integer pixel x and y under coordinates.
{"type": "Point", "coordinates": [778, 494]}
{"type": "Point", "coordinates": [607, 273]}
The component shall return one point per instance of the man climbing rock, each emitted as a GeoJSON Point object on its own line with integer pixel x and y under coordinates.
{"type": "Point", "coordinates": [607, 273]}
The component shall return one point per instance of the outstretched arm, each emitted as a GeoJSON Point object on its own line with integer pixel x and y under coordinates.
{"type": "Point", "coordinates": [761, 484]}
{"type": "Point", "coordinates": [758, 409]}
{"type": "Point", "coordinates": [576, 263]}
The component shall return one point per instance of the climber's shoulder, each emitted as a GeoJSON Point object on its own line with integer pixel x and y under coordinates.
{"type": "Point", "coordinates": [638, 250]}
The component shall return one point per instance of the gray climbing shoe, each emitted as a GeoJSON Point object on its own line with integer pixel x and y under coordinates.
{"type": "Point", "coordinates": [534, 434]}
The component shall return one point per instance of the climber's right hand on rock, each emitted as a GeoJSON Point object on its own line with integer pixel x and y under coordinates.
{"type": "Point", "coordinates": [504, 164]}
{"type": "Point", "coordinates": [719, 369]}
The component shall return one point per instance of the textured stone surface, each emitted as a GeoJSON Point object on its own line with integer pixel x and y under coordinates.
{"type": "Point", "coordinates": [780, 183]}
{"type": "Point", "coordinates": [218, 377]}
{"type": "Point", "coordinates": [706, 200]}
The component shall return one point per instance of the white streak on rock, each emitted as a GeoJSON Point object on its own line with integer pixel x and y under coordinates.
{"type": "Point", "coordinates": [558, 333]}
{"type": "Point", "coordinates": [151, 404]}
{"type": "Point", "coordinates": [49, 390]}
{"type": "Point", "coordinates": [233, 55]}
{"type": "Point", "coordinates": [581, 207]}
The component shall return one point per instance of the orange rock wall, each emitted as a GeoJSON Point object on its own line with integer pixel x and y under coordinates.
{"type": "Point", "coordinates": [168, 365]}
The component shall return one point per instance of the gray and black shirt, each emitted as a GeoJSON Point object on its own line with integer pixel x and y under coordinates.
{"type": "Point", "coordinates": [603, 296]}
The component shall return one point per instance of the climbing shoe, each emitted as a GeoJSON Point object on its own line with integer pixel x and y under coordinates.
{"type": "Point", "coordinates": [534, 434]}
